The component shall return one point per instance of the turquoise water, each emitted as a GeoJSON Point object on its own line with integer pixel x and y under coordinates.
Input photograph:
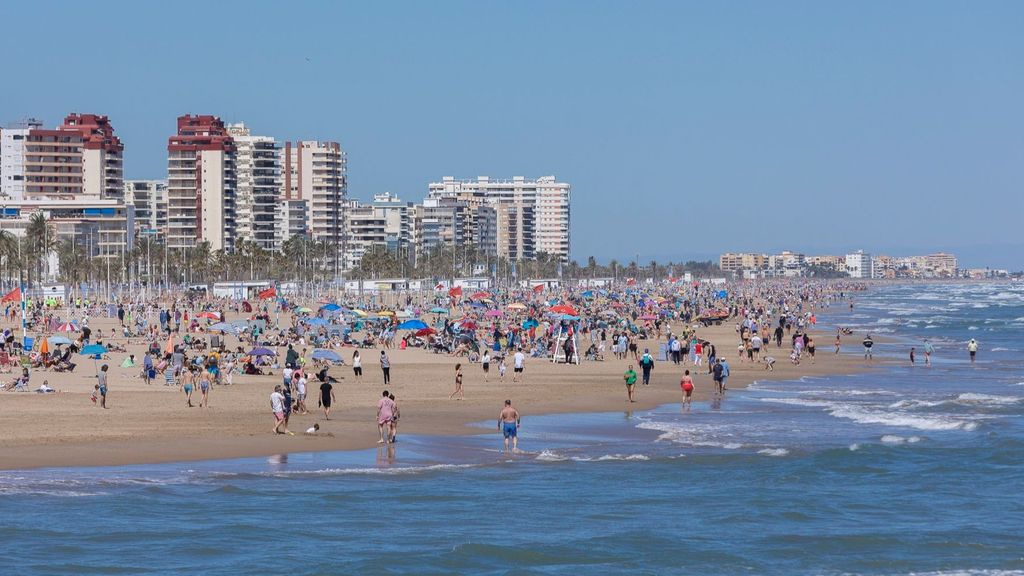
{"type": "Point", "coordinates": [902, 470]}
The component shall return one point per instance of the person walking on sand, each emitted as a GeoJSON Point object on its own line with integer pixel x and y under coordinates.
{"type": "Point", "coordinates": [326, 397]}
{"type": "Point", "coordinates": [838, 342]}
{"type": "Point", "coordinates": [630, 378]}
{"type": "Point", "coordinates": [458, 383]}
{"type": "Point", "coordinates": [646, 365]}
{"type": "Point", "coordinates": [501, 369]}
{"type": "Point", "coordinates": [972, 349]}
{"type": "Point", "coordinates": [928, 349]}
{"type": "Point", "coordinates": [188, 384]}
{"type": "Point", "coordinates": [485, 363]}
{"type": "Point", "coordinates": [385, 412]}
{"type": "Point", "coordinates": [687, 386]}
{"type": "Point", "coordinates": [204, 388]}
{"type": "Point", "coordinates": [717, 371]}
{"type": "Point", "coordinates": [277, 407]}
{"type": "Point", "coordinates": [518, 365]}
{"type": "Point", "coordinates": [509, 422]}
{"type": "Point", "coordinates": [385, 367]}
{"type": "Point", "coordinates": [357, 366]}
{"type": "Point", "coordinates": [101, 382]}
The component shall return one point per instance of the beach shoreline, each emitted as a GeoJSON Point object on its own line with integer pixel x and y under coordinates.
{"type": "Point", "coordinates": [151, 425]}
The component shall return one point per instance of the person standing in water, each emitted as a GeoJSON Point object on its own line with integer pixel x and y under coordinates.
{"type": "Point", "coordinates": [508, 423]}
{"type": "Point", "coordinates": [928, 349]}
{"type": "Point", "coordinates": [687, 386]}
{"type": "Point", "coordinates": [972, 349]}
{"type": "Point", "coordinates": [630, 378]}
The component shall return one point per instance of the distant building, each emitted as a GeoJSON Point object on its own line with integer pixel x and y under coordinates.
{"type": "Point", "coordinates": [149, 198]}
{"type": "Point", "coordinates": [530, 216]}
{"type": "Point", "coordinates": [291, 219]}
{"type": "Point", "coordinates": [201, 184]}
{"type": "Point", "coordinates": [81, 158]}
{"type": "Point", "coordinates": [858, 265]}
{"type": "Point", "coordinates": [258, 184]}
{"type": "Point", "coordinates": [317, 173]}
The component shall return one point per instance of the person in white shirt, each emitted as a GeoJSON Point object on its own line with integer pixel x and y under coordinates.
{"type": "Point", "coordinates": [277, 407]}
{"type": "Point", "coordinates": [518, 365]}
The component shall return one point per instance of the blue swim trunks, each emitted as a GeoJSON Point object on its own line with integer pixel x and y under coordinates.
{"type": "Point", "coordinates": [510, 429]}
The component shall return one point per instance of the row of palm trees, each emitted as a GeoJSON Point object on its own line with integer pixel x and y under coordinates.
{"type": "Point", "coordinates": [29, 259]}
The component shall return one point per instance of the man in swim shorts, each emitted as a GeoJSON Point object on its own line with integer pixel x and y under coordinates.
{"type": "Point", "coordinates": [508, 423]}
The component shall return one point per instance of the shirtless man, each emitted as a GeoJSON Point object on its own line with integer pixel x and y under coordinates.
{"type": "Point", "coordinates": [508, 423]}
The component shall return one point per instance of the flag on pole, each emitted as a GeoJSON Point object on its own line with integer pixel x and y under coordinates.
{"type": "Point", "coordinates": [455, 292]}
{"type": "Point", "coordinates": [12, 296]}
{"type": "Point", "coordinates": [440, 286]}
{"type": "Point", "coordinates": [268, 293]}
{"type": "Point", "coordinates": [538, 288]}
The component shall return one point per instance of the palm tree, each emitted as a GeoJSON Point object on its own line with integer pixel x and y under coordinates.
{"type": "Point", "coordinates": [40, 241]}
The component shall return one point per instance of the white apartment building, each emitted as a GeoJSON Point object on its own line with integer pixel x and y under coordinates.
{"type": "Point", "coordinates": [531, 216]}
{"type": "Point", "coordinates": [201, 184]}
{"type": "Point", "coordinates": [258, 183]}
{"type": "Point", "coordinates": [858, 265]}
{"type": "Point", "coordinates": [317, 173]}
{"type": "Point", "coordinates": [149, 198]}
{"type": "Point", "coordinates": [12, 158]}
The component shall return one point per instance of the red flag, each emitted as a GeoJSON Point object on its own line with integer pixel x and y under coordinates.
{"type": "Point", "coordinates": [439, 286]}
{"type": "Point", "coordinates": [12, 295]}
{"type": "Point", "coordinates": [455, 292]}
{"type": "Point", "coordinates": [630, 281]}
{"type": "Point", "coordinates": [538, 288]}
{"type": "Point", "coordinates": [268, 293]}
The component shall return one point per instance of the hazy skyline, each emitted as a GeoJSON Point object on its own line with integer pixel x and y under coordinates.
{"type": "Point", "coordinates": [685, 129]}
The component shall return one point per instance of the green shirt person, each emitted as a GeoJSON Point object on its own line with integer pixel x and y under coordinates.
{"type": "Point", "coordinates": [630, 378]}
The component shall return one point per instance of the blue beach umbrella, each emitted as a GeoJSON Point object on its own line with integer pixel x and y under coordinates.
{"type": "Point", "coordinates": [261, 352]}
{"type": "Point", "coordinates": [412, 325]}
{"type": "Point", "coordinates": [222, 327]}
{"type": "Point", "coordinates": [93, 350]}
{"type": "Point", "coordinates": [331, 307]}
{"type": "Point", "coordinates": [439, 310]}
{"type": "Point", "coordinates": [56, 340]}
{"type": "Point", "coordinates": [316, 322]}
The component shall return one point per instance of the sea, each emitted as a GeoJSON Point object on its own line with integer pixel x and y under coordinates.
{"type": "Point", "coordinates": [902, 469]}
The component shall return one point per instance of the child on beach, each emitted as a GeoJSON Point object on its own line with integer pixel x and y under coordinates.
{"type": "Point", "coordinates": [501, 369]}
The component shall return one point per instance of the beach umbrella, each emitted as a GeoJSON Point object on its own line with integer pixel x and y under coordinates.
{"type": "Point", "coordinates": [303, 310]}
{"type": "Point", "coordinates": [493, 313]}
{"type": "Point", "coordinates": [315, 321]}
{"type": "Point", "coordinates": [58, 340]}
{"type": "Point", "coordinates": [208, 315]}
{"type": "Point", "coordinates": [385, 313]}
{"type": "Point", "coordinates": [648, 317]}
{"type": "Point", "coordinates": [569, 317]}
{"type": "Point", "coordinates": [359, 312]}
{"type": "Point", "coordinates": [565, 309]}
{"type": "Point", "coordinates": [329, 355]}
{"type": "Point", "coordinates": [479, 295]}
{"type": "Point", "coordinates": [222, 327]}
{"type": "Point", "coordinates": [470, 325]}
{"type": "Point", "coordinates": [439, 310]}
{"type": "Point", "coordinates": [588, 294]}
{"type": "Point", "coordinates": [331, 307]}
{"type": "Point", "coordinates": [261, 352]}
{"type": "Point", "coordinates": [44, 346]}
{"type": "Point", "coordinates": [424, 332]}
{"type": "Point", "coordinates": [516, 306]}
{"type": "Point", "coordinates": [531, 323]}
{"type": "Point", "coordinates": [412, 325]}
{"type": "Point", "coordinates": [93, 350]}
{"type": "Point", "coordinates": [67, 327]}
{"type": "Point", "coordinates": [169, 348]}
{"type": "Point", "coordinates": [477, 305]}
{"type": "Point", "coordinates": [240, 323]}
{"type": "Point", "coordinates": [403, 314]}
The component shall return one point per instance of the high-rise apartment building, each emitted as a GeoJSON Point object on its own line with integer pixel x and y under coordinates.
{"type": "Point", "coordinates": [258, 175]}
{"type": "Point", "coordinates": [80, 159]}
{"type": "Point", "coordinates": [201, 184]}
{"type": "Point", "coordinates": [291, 219]}
{"type": "Point", "coordinates": [316, 172]}
{"type": "Point", "coordinates": [531, 215]}
{"type": "Point", "coordinates": [387, 222]}
{"type": "Point", "coordinates": [858, 265]}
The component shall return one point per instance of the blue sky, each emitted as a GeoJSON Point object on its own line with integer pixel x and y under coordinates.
{"type": "Point", "coordinates": [685, 128]}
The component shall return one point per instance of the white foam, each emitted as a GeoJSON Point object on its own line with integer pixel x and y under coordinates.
{"type": "Point", "coordinates": [854, 447]}
{"type": "Point", "coordinates": [987, 399]}
{"type": "Point", "coordinates": [893, 439]}
{"type": "Point", "coordinates": [1001, 349]}
{"type": "Point", "coordinates": [867, 415]}
{"type": "Point", "coordinates": [687, 435]}
{"type": "Point", "coordinates": [367, 471]}
{"type": "Point", "coordinates": [549, 456]}
{"type": "Point", "coordinates": [774, 452]}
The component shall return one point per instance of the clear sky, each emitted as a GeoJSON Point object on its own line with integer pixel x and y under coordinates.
{"type": "Point", "coordinates": [685, 128]}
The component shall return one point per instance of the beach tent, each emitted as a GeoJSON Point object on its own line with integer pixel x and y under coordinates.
{"type": "Point", "coordinates": [329, 355]}
{"type": "Point", "coordinates": [412, 325]}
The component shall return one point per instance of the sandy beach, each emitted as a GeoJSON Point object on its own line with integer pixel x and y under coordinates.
{"type": "Point", "coordinates": [151, 423]}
